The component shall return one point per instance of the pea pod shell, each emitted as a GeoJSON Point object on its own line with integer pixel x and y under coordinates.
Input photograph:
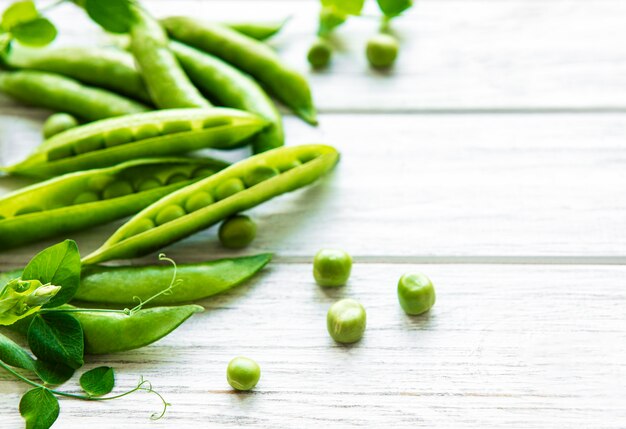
{"type": "Point", "coordinates": [215, 127]}
{"type": "Point", "coordinates": [125, 243]}
{"type": "Point", "coordinates": [250, 56]}
{"type": "Point", "coordinates": [230, 87]}
{"type": "Point", "coordinates": [64, 219]}
{"type": "Point", "coordinates": [117, 332]}
{"type": "Point", "coordinates": [63, 94]}
{"type": "Point", "coordinates": [120, 285]}
{"type": "Point", "coordinates": [258, 30]}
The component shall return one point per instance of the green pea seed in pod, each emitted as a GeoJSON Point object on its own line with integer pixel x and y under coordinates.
{"type": "Point", "coordinates": [169, 213]}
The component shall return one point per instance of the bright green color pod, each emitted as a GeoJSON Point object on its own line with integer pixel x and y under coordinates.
{"type": "Point", "coordinates": [106, 68]}
{"type": "Point", "coordinates": [138, 136]}
{"type": "Point", "coordinates": [63, 94]}
{"type": "Point", "coordinates": [168, 85]}
{"type": "Point", "coordinates": [316, 161]}
{"type": "Point", "coordinates": [76, 201]}
{"type": "Point", "coordinates": [230, 87]}
{"type": "Point", "coordinates": [258, 30]}
{"type": "Point", "coordinates": [120, 285]}
{"type": "Point", "coordinates": [250, 56]}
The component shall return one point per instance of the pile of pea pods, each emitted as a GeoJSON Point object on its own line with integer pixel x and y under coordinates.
{"type": "Point", "coordinates": [124, 141]}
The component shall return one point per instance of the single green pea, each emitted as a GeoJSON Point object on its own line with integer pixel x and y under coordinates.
{"type": "Point", "coordinates": [288, 166]}
{"type": "Point", "coordinates": [319, 53]}
{"type": "Point", "coordinates": [416, 293]}
{"type": "Point", "coordinates": [86, 197]}
{"type": "Point", "coordinates": [177, 178]}
{"type": "Point", "coordinates": [176, 127]}
{"type": "Point", "coordinates": [147, 184]}
{"type": "Point", "coordinates": [117, 189]}
{"type": "Point", "coordinates": [237, 232]}
{"type": "Point", "coordinates": [243, 373]}
{"type": "Point", "coordinates": [198, 201]}
{"type": "Point", "coordinates": [118, 137]}
{"type": "Point", "coordinates": [382, 50]}
{"type": "Point", "coordinates": [259, 174]}
{"type": "Point", "coordinates": [57, 123]}
{"type": "Point", "coordinates": [60, 153]}
{"type": "Point", "coordinates": [98, 183]}
{"type": "Point", "coordinates": [27, 210]}
{"type": "Point", "coordinates": [229, 187]}
{"type": "Point", "coordinates": [88, 144]}
{"type": "Point", "coordinates": [147, 131]}
{"type": "Point", "coordinates": [169, 213]}
{"type": "Point", "coordinates": [142, 226]}
{"type": "Point", "coordinates": [346, 320]}
{"type": "Point", "coordinates": [203, 172]}
{"type": "Point", "coordinates": [332, 267]}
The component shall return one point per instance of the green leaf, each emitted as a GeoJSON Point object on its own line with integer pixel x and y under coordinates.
{"type": "Point", "coordinates": [19, 13]}
{"type": "Point", "coordinates": [115, 16]}
{"type": "Point", "coordinates": [98, 381]}
{"type": "Point", "coordinates": [38, 32]}
{"type": "Point", "coordinates": [330, 19]}
{"type": "Point", "coordinates": [58, 265]}
{"type": "Point", "coordinates": [53, 372]}
{"type": "Point", "coordinates": [393, 8]}
{"type": "Point", "coordinates": [57, 337]}
{"type": "Point", "coordinates": [348, 7]}
{"type": "Point", "coordinates": [40, 408]}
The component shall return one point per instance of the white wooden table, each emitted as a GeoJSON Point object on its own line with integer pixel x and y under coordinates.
{"type": "Point", "coordinates": [492, 158]}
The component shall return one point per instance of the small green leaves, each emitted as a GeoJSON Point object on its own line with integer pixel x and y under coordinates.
{"type": "Point", "coordinates": [57, 337]}
{"type": "Point", "coordinates": [22, 22]}
{"type": "Point", "coordinates": [19, 13]}
{"type": "Point", "coordinates": [393, 8]}
{"type": "Point", "coordinates": [39, 408]}
{"type": "Point", "coordinates": [115, 16]}
{"type": "Point", "coordinates": [349, 7]}
{"type": "Point", "coordinates": [98, 381]}
{"type": "Point", "coordinates": [53, 373]}
{"type": "Point", "coordinates": [57, 265]}
{"type": "Point", "coordinates": [38, 32]}
{"type": "Point", "coordinates": [329, 20]}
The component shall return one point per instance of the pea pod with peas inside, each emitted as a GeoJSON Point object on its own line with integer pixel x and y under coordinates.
{"type": "Point", "coordinates": [235, 189]}
{"type": "Point", "coordinates": [159, 133]}
{"type": "Point", "coordinates": [80, 200]}
{"type": "Point", "coordinates": [250, 56]}
{"type": "Point", "coordinates": [62, 94]}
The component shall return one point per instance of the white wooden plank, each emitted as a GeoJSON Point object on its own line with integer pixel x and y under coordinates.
{"type": "Point", "coordinates": [456, 54]}
{"type": "Point", "coordinates": [504, 346]}
{"type": "Point", "coordinates": [420, 186]}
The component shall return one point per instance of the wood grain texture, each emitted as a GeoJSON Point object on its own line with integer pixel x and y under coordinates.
{"type": "Point", "coordinates": [506, 346]}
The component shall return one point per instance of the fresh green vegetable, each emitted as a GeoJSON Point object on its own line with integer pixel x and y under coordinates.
{"type": "Point", "coordinates": [258, 30]}
{"type": "Point", "coordinates": [63, 94]}
{"type": "Point", "coordinates": [298, 166]}
{"type": "Point", "coordinates": [121, 285]}
{"type": "Point", "coordinates": [160, 133]}
{"type": "Point", "coordinates": [98, 381]}
{"type": "Point", "coordinates": [332, 267]}
{"type": "Point", "coordinates": [250, 56]}
{"type": "Point", "coordinates": [243, 373]}
{"type": "Point", "coordinates": [80, 200]}
{"type": "Point", "coordinates": [416, 293]}
{"type": "Point", "coordinates": [106, 68]}
{"type": "Point", "coordinates": [237, 232]}
{"type": "Point", "coordinates": [22, 21]}
{"type": "Point", "coordinates": [228, 86]}
{"type": "Point", "coordinates": [168, 85]}
{"type": "Point", "coordinates": [346, 320]}
{"type": "Point", "coordinates": [320, 53]}
{"type": "Point", "coordinates": [57, 123]}
{"type": "Point", "coordinates": [382, 50]}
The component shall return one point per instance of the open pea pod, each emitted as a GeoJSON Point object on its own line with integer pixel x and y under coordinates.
{"type": "Point", "coordinates": [84, 199]}
{"type": "Point", "coordinates": [237, 188]}
{"type": "Point", "coordinates": [159, 133]}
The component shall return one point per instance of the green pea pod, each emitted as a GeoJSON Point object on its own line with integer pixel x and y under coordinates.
{"type": "Point", "coordinates": [159, 133]}
{"type": "Point", "coordinates": [250, 56]}
{"type": "Point", "coordinates": [121, 285]}
{"type": "Point", "coordinates": [63, 94]}
{"type": "Point", "coordinates": [167, 83]}
{"type": "Point", "coordinates": [110, 69]}
{"type": "Point", "coordinates": [77, 201]}
{"type": "Point", "coordinates": [232, 88]}
{"type": "Point", "coordinates": [258, 30]}
{"type": "Point", "coordinates": [235, 189]}
{"type": "Point", "coordinates": [117, 332]}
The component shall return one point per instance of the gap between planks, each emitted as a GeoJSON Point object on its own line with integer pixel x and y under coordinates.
{"type": "Point", "coordinates": [471, 260]}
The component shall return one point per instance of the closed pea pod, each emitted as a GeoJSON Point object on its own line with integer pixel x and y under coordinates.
{"type": "Point", "coordinates": [250, 56]}
{"type": "Point", "coordinates": [63, 94]}
{"type": "Point", "coordinates": [84, 199]}
{"type": "Point", "coordinates": [168, 85]}
{"type": "Point", "coordinates": [230, 87]}
{"type": "Point", "coordinates": [108, 142]}
{"type": "Point", "coordinates": [258, 30]}
{"type": "Point", "coordinates": [125, 243]}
